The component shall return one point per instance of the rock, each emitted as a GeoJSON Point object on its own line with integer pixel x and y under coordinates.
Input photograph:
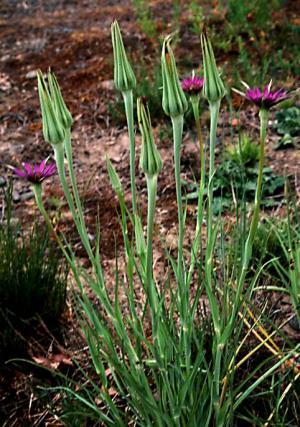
{"type": "Point", "coordinates": [27, 196]}
{"type": "Point", "coordinates": [107, 85]}
{"type": "Point", "coordinates": [294, 323]}
{"type": "Point", "coordinates": [31, 74]}
{"type": "Point", "coordinates": [16, 196]}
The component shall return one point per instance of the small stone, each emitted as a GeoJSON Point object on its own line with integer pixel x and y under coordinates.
{"type": "Point", "coordinates": [16, 196]}
{"type": "Point", "coordinates": [107, 85]}
{"type": "Point", "coordinates": [31, 74]}
{"type": "Point", "coordinates": [27, 196]}
{"type": "Point", "coordinates": [295, 323]}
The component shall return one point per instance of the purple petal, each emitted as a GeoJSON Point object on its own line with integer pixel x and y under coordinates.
{"type": "Point", "coordinates": [28, 168]}
{"type": "Point", "coordinates": [20, 173]}
{"type": "Point", "coordinates": [42, 165]}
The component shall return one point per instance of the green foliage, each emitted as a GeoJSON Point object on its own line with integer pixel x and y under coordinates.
{"type": "Point", "coordinates": [287, 124]}
{"type": "Point", "coordinates": [267, 246]}
{"type": "Point", "coordinates": [246, 153]}
{"type": "Point", "coordinates": [196, 17]}
{"type": "Point", "coordinates": [32, 277]}
{"type": "Point", "coordinates": [288, 121]}
{"type": "Point", "coordinates": [246, 15]}
{"type": "Point", "coordinates": [236, 176]}
{"type": "Point", "coordinates": [144, 17]}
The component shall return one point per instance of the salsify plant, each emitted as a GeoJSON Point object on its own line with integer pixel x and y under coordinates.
{"type": "Point", "coordinates": [161, 361]}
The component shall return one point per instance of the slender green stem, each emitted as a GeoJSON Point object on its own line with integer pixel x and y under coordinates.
{"type": "Point", "coordinates": [84, 232]}
{"type": "Point", "coordinates": [69, 155]}
{"type": "Point", "coordinates": [211, 232]}
{"type": "Point", "coordinates": [128, 101]}
{"type": "Point", "coordinates": [211, 238]}
{"type": "Point", "coordinates": [152, 189]}
{"type": "Point", "coordinates": [196, 245]}
{"type": "Point", "coordinates": [177, 123]}
{"type": "Point", "coordinates": [59, 158]}
{"type": "Point", "coordinates": [214, 112]}
{"type": "Point", "coordinates": [253, 226]}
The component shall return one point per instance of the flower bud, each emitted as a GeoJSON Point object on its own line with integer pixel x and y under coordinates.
{"type": "Point", "coordinates": [52, 128]}
{"type": "Point", "coordinates": [150, 162]}
{"type": "Point", "coordinates": [60, 107]}
{"type": "Point", "coordinates": [174, 101]}
{"type": "Point", "coordinates": [214, 89]}
{"type": "Point", "coordinates": [124, 77]}
{"type": "Point", "coordinates": [114, 178]}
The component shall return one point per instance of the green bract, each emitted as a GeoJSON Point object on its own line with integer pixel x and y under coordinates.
{"type": "Point", "coordinates": [150, 161]}
{"type": "Point", "coordinates": [53, 129]}
{"type": "Point", "coordinates": [114, 177]}
{"type": "Point", "coordinates": [124, 77]}
{"type": "Point", "coordinates": [174, 101]}
{"type": "Point", "coordinates": [214, 89]}
{"type": "Point", "coordinates": [61, 109]}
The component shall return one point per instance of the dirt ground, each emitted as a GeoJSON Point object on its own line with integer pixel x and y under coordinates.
{"type": "Point", "coordinates": [73, 38]}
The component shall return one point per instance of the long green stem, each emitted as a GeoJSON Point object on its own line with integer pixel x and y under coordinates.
{"type": "Point", "coordinates": [152, 189]}
{"type": "Point", "coordinates": [214, 112]}
{"type": "Point", "coordinates": [128, 101]}
{"type": "Point", "coordinates": [177, 123]}
{"type": "Point", "coordinates": [253, 226]}
{"type": "Point", "coordinates": [69, 155]}
{"type": "Point", "coordinates": [196, 245]}
{"type": "Point", "coordinates": [59, 158]}
{"type": "Point", "coordinates": [211, 233]}
{"type": "Point", "coordinates": [211, 238]}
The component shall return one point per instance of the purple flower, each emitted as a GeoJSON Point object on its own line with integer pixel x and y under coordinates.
{"type": "Point", "coordinates": [192, 85]}
{"type": "Point", "coordinates": [36, 173]}
{"type": "Point", "coordinates": [265, 99]}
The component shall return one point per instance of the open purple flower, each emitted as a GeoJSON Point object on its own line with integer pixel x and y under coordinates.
{"type": "Point", "coordinates": [264, 99]}
{"type": "Point", "coordinates": [36, 173]}
{"type": "Point", "coordinates": [192, 85]}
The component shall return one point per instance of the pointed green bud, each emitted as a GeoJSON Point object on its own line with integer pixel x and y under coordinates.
{"type": "Point", "coordinates": [114, 178]}
{"type": "Point", "coordinates": [52, 128]}
{"type": "Point", "coordinates": [150, 162]}
{"type": "Point", "coordinates": [60, 107]}
{"type": "Point", "coordinates": [214, 89]}
{"type": "Point", "coordinates": [174, 101]}
{"type": "Point", "coordinates": [124, 77]}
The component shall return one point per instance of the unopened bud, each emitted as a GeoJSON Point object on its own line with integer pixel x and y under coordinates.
{"type": "Point", "coordinates": [174, 101]}
{"type": "Point", "coordinates": [214, 89]}
{"type": "Point", "coordinates": [124, 77]}
{"type": "Point", "coordinates": [150, 162]}
{"type": "Point", "coordinates": [61, 109]}
{"type": "Point", "coordinates": [52, 128]}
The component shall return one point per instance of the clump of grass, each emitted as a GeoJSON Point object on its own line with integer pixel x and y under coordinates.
{"type": "Point", "coordinates": [245, 153]}
{"type": "Point", "coordinates": [32, 277]}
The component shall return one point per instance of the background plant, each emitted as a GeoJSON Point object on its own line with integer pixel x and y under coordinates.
{"type": "Point", "coordinates": [33, 278]}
